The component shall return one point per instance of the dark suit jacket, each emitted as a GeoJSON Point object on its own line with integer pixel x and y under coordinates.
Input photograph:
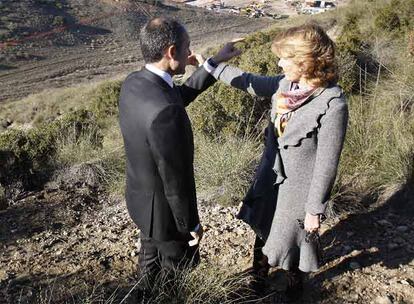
{"type": "Point", "coordinates": [160, 191]}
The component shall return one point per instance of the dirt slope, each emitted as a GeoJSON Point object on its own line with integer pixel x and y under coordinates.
{"type": "Point", "coordinates": [48, 44]}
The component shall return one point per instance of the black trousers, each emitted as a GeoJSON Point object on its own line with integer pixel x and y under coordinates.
{"type": "Point", "coordinates": [164, 256]}
{"type": "Point", "coordinates": [260, 265]}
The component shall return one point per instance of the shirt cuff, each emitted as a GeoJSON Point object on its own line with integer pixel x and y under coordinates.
{"type": "Point", "coordinates": [208, 67]}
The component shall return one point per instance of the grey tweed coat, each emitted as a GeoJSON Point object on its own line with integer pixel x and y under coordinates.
{"type": "Point", "coordinates": [305, 164]}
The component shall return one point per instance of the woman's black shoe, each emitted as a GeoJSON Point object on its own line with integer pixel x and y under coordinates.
{"type": "Point", "coordinates": [295, 288]}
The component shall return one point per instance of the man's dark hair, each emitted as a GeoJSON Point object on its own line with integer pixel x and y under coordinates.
{"type": "Point", "coordinates": [158, 34]}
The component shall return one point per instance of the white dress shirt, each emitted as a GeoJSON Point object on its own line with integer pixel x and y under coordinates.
{"type": "Point", "coordinates": [167, 77]}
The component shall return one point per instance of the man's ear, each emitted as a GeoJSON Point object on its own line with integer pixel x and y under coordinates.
{"type": "Point", "coordinates": [170, 52]}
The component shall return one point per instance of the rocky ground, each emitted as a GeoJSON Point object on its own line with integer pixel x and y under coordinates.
{"type": "Point", "coordinates": [68, 241]}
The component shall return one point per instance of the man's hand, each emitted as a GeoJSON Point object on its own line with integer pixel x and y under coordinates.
{"type": "Point", "coordinates": [197, 236]}
{"type": "Point", "coordinates": [195, 59]}
{"type": "Point", "coordinates": [228, 51]}
{"type": "Point", "coordinates": [312, 222]}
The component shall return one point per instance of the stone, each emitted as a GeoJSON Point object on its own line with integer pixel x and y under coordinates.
{"type": "Point", "coordinates": [355, 253]}
{"type": "Point", "coordinates": [383, 300]}
{"type": "Point", "coordinates": [384, 223]}
{"type": "Point", "coordinates": [392, 246]}
{"type": "Point", "coordinates": [402, 228]}
{"type": "Point", "coordinates": [353, 297]}
{"type": "Point", "coordinates": [3, 275]}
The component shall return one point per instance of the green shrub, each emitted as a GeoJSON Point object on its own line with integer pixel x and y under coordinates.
{"type": "Point", "coordinates": [30, 155]}
{"type": "Point", "coordinates": [348, 70]}
{"type": "Point", "coordinates": [387, 19]}
{"type": "Point", "coordinates": [105, 100]}
{"type": "Point", "coordinates": [224, 110]}
{"type": "Point", "coordinates": [350, 39]}
{"type": "Point", "coordinates": [58, 21]}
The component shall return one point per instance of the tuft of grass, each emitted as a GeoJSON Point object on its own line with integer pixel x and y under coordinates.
{"type": "Point", "coordinates": [224, 166]}
{"type": "Point", "coordinates": [205, 284]}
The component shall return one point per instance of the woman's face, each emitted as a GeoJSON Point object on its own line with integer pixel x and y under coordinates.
{"type": "Point", "coordinates": [291, 70]}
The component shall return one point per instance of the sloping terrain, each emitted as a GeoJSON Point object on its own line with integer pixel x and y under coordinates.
{"type": "Point", "coordinates": [48, 44]}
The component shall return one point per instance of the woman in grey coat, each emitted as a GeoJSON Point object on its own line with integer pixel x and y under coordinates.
{"type": "Point", "coordinates": [304, 141]}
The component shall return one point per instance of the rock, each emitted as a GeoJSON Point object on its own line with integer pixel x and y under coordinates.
{"type": "Point", "coordinates": [355, 253]}
{"type": "Point", "coordinates": [353, 297]}
{"type": "Point", "coordinates": [354, 265]}
{"type": "Point", "coordinates": [405, 282]}
{"type": "Point", "coordinates": [3, 275]}
{"type": "Point", "coordinates": [383, 300]}
{"type": "Point", "coordinates": [392, 246]}
{"type": "Point", "coordinates": [384, 223]}
{"type": "Point", "coordinates": [402, 228]}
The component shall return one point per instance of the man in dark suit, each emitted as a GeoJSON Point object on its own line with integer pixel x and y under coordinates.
{"type": "Point", "coordinates": [160, 192]}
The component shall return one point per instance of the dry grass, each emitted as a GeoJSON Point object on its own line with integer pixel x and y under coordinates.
{"type": "Point", "coordinates": [49, 104]}
{"type": "Point", "coordinates": [224, 166]}
{"type": "Point", "coordinates": [205, 284]}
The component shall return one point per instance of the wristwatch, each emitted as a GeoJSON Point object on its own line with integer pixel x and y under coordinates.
{"type": "Point", "coordinates": [212, 63]}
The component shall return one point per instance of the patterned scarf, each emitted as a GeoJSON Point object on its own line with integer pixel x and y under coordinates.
{"type": "Point", "coordinates": [286, 103]}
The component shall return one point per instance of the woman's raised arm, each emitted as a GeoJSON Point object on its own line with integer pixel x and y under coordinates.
{"type": "Point", "coordinates": [257, 85]}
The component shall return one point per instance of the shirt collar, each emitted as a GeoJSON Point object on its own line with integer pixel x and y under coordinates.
{"type": "Point", "coordinates": [164, 75]}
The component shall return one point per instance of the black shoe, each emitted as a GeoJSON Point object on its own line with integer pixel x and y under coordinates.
{"type": "Point", "coordinates": [137, 295]}
{"type": "Point", "coordinates": [295, 288]}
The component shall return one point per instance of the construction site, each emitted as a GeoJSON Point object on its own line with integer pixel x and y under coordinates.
{"type": "Point", "coordinates": [274, 9]}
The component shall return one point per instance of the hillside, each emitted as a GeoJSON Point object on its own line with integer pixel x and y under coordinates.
{"type": "Point", "coordinates": [66, 237]}
{"type": "Point", "coordinates": [48, 44]}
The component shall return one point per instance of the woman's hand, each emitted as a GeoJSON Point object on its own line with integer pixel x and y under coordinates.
{"type": "Point", "coordinates": [312, 222]}
{"type": "Point", "coordinates": [195, 59]}
{"type": "Point", "coordinates": [228, 51]}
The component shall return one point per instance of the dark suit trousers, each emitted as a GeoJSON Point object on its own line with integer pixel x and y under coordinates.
{"type": "Point", "coordinates": [164, 256]}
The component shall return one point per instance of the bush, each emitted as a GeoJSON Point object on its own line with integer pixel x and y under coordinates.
{"type": "Point", "coordinates": [350, 39]}
{"type": "Point", "coordinates": [395, 17]}
{"type": "Point", "coordinates": [387, 19]}
{"type": "Point", "coordinates": [105, 100]}
{"type": "Point", "coordinates": [223, 110]}
{"type": "Point", "coordinates": [58, 21]}
{"type": "Point", "coordinates": [348, 70]}
{"type": "Point", "coordinates": [30, 155]}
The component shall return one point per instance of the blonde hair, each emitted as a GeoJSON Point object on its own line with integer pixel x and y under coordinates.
{"type": "Point", "coordinates": [312, 50]}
